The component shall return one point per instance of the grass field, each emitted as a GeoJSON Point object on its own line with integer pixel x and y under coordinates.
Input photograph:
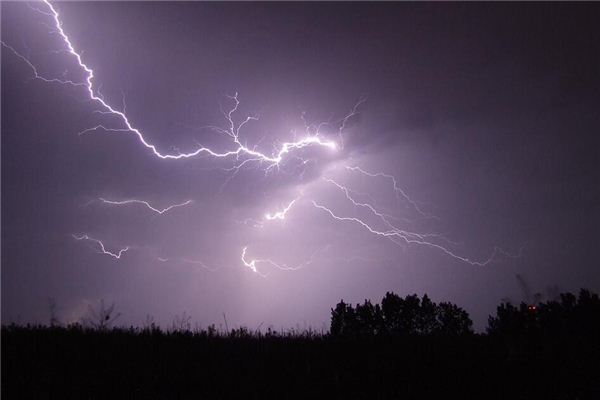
{"type": "Point", "coordinates": [77, 363]}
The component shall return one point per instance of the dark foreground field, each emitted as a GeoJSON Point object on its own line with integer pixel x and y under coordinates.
{"type": "Point", "coordinates": [90, 364]}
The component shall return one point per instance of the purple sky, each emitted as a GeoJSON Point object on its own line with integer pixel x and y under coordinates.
{"type": "Point", "coordinates": [485, 114]}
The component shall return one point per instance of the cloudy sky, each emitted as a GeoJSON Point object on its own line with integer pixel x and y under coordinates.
{"type": "Point", "coordinates": [486, 115]}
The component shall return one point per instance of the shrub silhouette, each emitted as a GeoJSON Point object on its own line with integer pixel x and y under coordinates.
{"type": "Point", "coordinates": [399, 316]}
{"type": "Point", "coordinates": [102, 318]}
{"type": "Point", "coordinates": [569, 318]}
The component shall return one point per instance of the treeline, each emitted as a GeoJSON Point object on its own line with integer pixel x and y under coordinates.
{"type": "Point", "coordinates": [397, 316]}
{"type": "Point", "coordinates": [402, 347]}
{"type": "Point", "coordinates": [567, 316]}
{"type": "Point", "coordinates": [394, 316]}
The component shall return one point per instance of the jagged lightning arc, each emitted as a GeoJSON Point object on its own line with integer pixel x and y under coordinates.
{"type": "Point", "coordinates": [280, 214]}
{"type": "Point", "coordinates": [393, 233]}
{"type": "Point", "coordinates": [101, 246]}
{"type": "Point", "coordinates": [252, 264]}
{"type": "Point", "coordinates": [233, 131]}
{"type": "Point", "coordinates": [145, 203]}
{"type": "Point", "coordinates": [269, 216]}
{"type": "Point", "coordinates": [243, 155]}
{"type": "Point", "coordinates": [400, 193]}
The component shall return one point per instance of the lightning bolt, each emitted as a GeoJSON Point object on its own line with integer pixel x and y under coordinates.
{"type": "Point", "coordinates": [232, 131]}
{"type": "Point", "coordinates": [400, 193]}
{"type": "Point", "coordinates": [280, 214]}
{"type": "Point", "coordinates": [284, 267]}
{"type": "Point", "coordinates": [347, 118]}
{"type": "Point", "coordinates": [244, 155]}
{"type": "Point", "coordinates": [384, 217]}
{"type": "Point", "coordinates": [102, 248]}
{"type": "Point", "coordinates": [145, 203]}
{"type": "Point", "coordinates": [252, 263]}
{"type": "Point", "coordinates": [36, 74]}
{"type": "Point", "coordinates": [407, 237]}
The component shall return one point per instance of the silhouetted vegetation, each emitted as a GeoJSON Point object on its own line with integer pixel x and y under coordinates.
{"type": "Point", "coordinates": [405, 347]}
{"type": "Point", "coordinates": [397, 316]}
{"type": "Point", "coordinates": [564, 323]}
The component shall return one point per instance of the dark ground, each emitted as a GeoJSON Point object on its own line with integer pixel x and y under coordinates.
{"type": "Point", "coordinates": [41, 362]}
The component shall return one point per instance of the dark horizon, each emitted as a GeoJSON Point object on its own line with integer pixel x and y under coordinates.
{"type": "Point", "coordinates": [486, 115]}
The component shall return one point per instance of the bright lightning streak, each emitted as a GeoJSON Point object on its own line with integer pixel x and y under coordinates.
{"type": "Point", "coordinates": [397, 189]}
{"type": "Point", "coordinates": [252, 264]}
{"type": "Point", "coordinates": [385, 218]}
{"type": "Point", "coordinates": [345, 120]}
{"type": "Point", "coordinates": [280, 214]}
{"type": "Point", "coordinates": [145, 203]}
{"type": "Point", "coordinates": [103, 250]}
{"type": "Point", "coordinates": [407, 237]}
{"type": "Point", "coordinates": [233, 131]}
{"type": "Point", "coordinates": [36, 75]}
{"type": "Point", "coordinates": [243, 155]}
{"type": "Point", "coordinates": [284, 267]}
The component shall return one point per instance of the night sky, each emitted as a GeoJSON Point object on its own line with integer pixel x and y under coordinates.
{"type": "Point", "coordinates": [487, 115]}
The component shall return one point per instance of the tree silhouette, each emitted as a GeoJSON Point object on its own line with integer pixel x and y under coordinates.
{"type": "Point", "coordinates": [571, 318]}
{"type": "Point", "coordinates": [369, 319]}
{"type": "Point", "coordinates": [399, 316]}
{"type": "Point", "coordinates": [343, 320]}
{"type": "Point", "coordinates": [453, 320]}
{"type": "Point", "coordinates": [426, 318]}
